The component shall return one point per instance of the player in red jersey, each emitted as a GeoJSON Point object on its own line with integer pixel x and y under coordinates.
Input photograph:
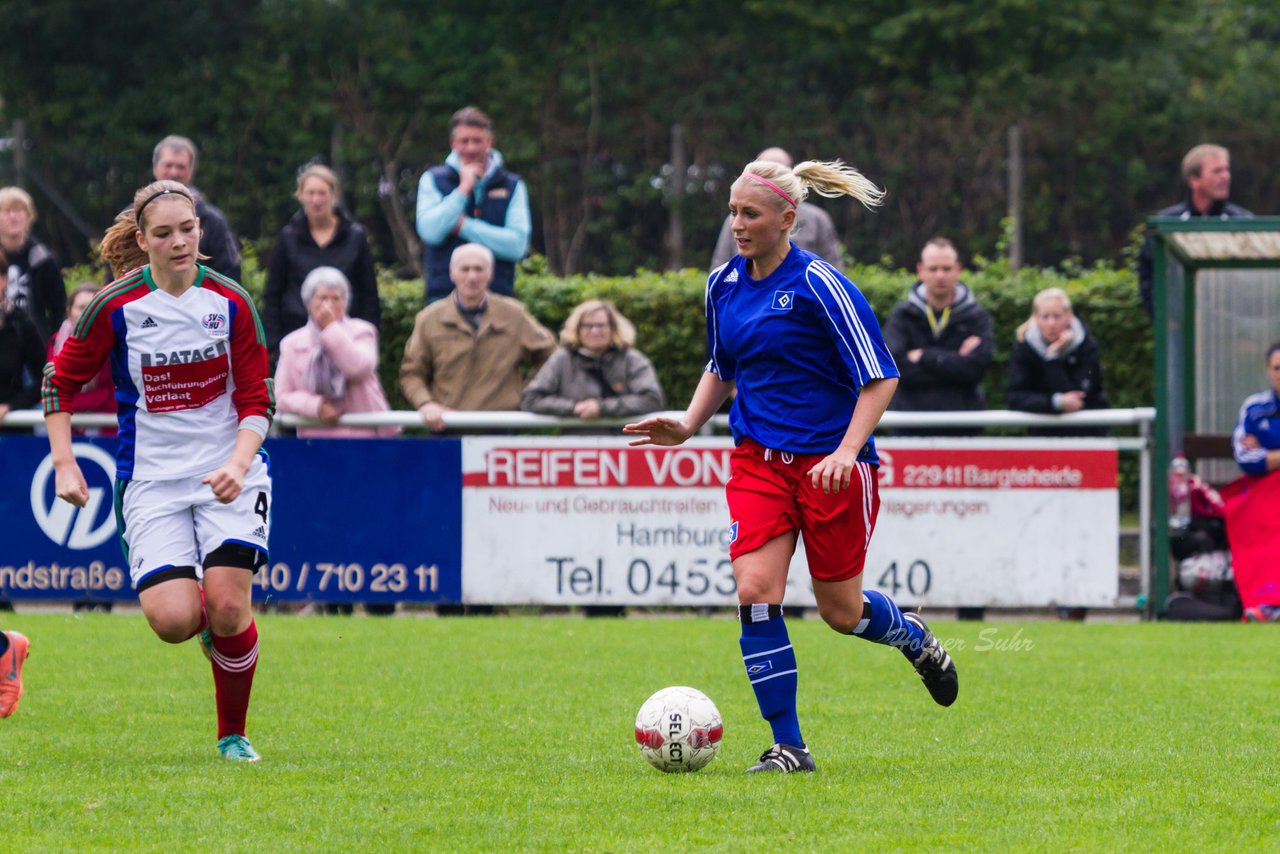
{"type": "Point", "coordinates": [193, 490]}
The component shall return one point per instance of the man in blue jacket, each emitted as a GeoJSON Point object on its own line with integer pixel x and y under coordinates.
{"type": "Point", "coordinates": [472, 198]}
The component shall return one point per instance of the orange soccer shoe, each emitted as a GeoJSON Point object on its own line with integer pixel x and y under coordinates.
{"type": "Point", "coordinates": [11, 672]}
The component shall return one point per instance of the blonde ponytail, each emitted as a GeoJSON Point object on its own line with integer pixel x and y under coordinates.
{"type": "Point", "coordinates": [834, 178]}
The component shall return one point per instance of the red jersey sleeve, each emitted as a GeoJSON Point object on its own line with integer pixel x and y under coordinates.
{"type": "Point", "coordinates": [81, 358]}
{"type": "Point", "coordinates": [253, 394]}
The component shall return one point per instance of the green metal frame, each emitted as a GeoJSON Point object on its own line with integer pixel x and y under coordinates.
{"type": "Point", "coordinates": [1178, 393]}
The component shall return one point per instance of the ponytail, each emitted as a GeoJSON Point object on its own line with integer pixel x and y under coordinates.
{"type": "Point", "coordinates": [827, 178]}
{"type": "Point", "coordinates": [834, 178]}
{"type": "Point", "coordinates": [119, 247]}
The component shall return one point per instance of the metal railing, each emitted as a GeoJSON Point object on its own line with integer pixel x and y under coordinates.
{"type": "Point", "coordinates": [1141, 419]}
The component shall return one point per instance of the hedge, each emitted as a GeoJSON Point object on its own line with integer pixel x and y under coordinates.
{"type": "Point", "coordinates": [666, 309]}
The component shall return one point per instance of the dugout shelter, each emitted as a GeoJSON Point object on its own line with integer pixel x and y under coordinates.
{"type": "Point", "coordinates": [1216, 299]}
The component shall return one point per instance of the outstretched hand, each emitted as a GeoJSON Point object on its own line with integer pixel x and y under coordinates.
{"type": "Point", "coordinates": [658, 431]}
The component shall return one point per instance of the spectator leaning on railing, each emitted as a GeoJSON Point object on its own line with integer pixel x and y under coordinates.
{"type": "Point", "coordinates": [1055, 366]}
{"type": "Point", "coordinates": [941, 338]}
{"type": "Point", "coordinates": [472, 350]}
{"type": "Point", "coordinates": [597, 372]}
{"type": "Point", "coordinates": [329, 367]}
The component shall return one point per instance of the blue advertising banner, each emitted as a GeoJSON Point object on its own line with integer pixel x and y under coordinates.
{"type": "Point", "coordinates": [352, 520]}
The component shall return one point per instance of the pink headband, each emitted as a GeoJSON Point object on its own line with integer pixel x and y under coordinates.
{"type": "Point", "coordinates": [772, 186]}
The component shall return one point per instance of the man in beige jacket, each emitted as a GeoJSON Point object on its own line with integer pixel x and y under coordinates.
{"type": "Point", "coordinates": [472, 350]}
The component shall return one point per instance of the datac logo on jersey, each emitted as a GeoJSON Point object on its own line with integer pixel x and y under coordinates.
{"type": "Point", "coordinates": [183, 357]}
{"type": "Point", "coordinates": [64, 523]}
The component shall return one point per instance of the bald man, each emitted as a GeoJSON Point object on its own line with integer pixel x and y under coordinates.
{"type": "Point", "coordinates": [473, 349]}
{"type": "Point", "coordinates": [814, 230]}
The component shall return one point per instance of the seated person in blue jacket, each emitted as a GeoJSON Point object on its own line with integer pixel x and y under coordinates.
{"type": "Point", "coordinates": [597, 372]}
{"type": "Point", "coordinates": [1055, 366]}
{"type": "Point", "coordinates": [1256, 439]}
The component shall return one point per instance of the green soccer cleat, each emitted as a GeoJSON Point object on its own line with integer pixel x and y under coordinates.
{"type": "Point", "coordinates": [236, 748]}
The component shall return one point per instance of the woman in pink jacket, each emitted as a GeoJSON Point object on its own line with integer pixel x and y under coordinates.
{"type": "Point", "coordinates": [329, 367]}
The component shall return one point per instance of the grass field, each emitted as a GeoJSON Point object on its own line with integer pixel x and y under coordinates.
{"type": "Point", "coordinates": [515, 733]}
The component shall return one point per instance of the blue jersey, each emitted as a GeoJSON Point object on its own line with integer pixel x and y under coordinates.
{"type": "Point", "coordinates": [1259, 417]}
{"type": "Point", "coordinates": [799, 343]}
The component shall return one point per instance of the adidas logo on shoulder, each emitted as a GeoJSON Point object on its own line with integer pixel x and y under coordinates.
{"type": "Point", "coordinates": [261, 532]}
{"type": "Point", "coordinates": [149, 323]}
{"type": "Point", "coordinates": [732, 277]}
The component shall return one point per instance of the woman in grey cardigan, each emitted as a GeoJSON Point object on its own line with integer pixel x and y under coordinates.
{"type": "Point", "coordinates": [597, 372]}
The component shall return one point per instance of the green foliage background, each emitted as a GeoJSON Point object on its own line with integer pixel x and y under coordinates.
{"type": "Point", "coordinates": [667, 310]}
{"type": "Point", "coordinates": [920, 94]}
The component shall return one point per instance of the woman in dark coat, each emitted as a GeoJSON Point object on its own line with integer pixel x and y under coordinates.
{"type": "Point", "coordinates": [1055, 366]}
{"type": "Point", "coordinates": [321, 234]}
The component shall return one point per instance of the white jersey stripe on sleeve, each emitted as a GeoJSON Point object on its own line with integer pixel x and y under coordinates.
{"type": "Point", "coordinates": [713, 364]}
{"type": "Point", "coordinates": [862, 352]}
{"type": "Point", "coordinates": [865, 347]}
{"type": "Point", "coordinates": [840, 333]}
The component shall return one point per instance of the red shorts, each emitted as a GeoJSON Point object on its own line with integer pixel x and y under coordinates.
{"type": "Point", "coordinates": [771, 492]}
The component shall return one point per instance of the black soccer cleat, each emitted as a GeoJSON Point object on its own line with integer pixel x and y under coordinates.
{"type": "Point", "coordinates": [935, 667]}
{"type": "Point", "coordinates": [785, 759]}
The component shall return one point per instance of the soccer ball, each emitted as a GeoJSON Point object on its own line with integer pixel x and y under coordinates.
{"type": "Point", "coordinates": [679, 729]}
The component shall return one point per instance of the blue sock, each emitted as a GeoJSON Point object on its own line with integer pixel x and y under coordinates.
{"type": "Point", "coordinates": [882, 622]}
{"type": "Point", "coordinates": [771, 667]}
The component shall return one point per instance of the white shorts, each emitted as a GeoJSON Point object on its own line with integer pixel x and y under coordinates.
{"type": "Point", "coordinates": [178, 523]}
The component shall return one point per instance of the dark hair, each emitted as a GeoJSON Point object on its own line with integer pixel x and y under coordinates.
{"type": "Point", "coordinates": [941, 243]}
{"type": "Point", "coordinates": [4, 264]}
{"type": "Point", "coordinates": [471, 117]}
{"type": "Point", "coordinates": [1273, 349]}
{"type": "Point", "coordinates": [82, 288]}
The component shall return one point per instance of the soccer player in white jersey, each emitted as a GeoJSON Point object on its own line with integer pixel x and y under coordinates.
{"type": "Point", "coordinates": [193, 491]}
{"type": "Point", "coordinates": [801, 345]}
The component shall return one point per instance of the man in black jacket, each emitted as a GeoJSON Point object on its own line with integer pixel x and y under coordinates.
{"type": "Point", "coordinates": [174, 159]}
{"type": "Point", "coordinates": [941, 339]}
{"type": "Point", "coordinates": [1207, 172]}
